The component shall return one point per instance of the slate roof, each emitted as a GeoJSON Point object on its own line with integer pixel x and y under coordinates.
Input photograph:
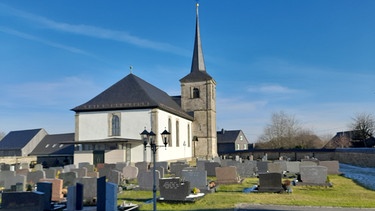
{"type": "Point", "coordinates": [132, 92]}
{"type": "Point", "coordinates": [198, 68]}
{"type": "Point", "coordinates": [51, 145]}
{"type": "Point", "coordinates": [18, 139]}
{"type": "Point", "coordinates": [227, 136]}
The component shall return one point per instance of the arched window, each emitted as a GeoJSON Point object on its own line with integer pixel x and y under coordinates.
{"type": "Point", "coordinates": [195, 93]}
{"type": "Point", "coordinates": [115, 125]}
{"type": "Point", "coordinates": [170, 131]}
{"type": "Point", "coordinates": [177, 134]}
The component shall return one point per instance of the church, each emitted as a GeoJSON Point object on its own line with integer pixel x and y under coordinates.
{"type": "Point", "coordinates": [108, 127]}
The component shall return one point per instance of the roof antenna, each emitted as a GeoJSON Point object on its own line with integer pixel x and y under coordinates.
{"type": "Point", "coordinates": [131, 68]}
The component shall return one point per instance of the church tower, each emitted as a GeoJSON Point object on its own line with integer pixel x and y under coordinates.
{"type": "Point", "coordinates": [198, 92]}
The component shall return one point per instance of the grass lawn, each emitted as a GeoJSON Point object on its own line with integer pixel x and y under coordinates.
{"type": "Point", "coordinates": [344, 193]}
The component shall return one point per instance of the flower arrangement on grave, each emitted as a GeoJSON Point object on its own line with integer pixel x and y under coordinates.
{"type": "Point", "coordinates": [287, 187]}
{"type": "Point", "coordinates": [195, 190]}
{"type": "Point", "coordinates": [211, 184]}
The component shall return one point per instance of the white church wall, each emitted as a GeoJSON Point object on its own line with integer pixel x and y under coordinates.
{"type": "Point", "coordinates": [174, 152]}
{"type": "Point", "coordinates": [83, 157]}
{"type": "Point", "coordinates": [95, 125]}
{"type": "Point", "coordinates": [114, 156]}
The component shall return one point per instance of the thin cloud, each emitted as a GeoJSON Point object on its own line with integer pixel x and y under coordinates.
{"type": "Point", "coordinates": [271, 89]}
{"type": "Point", "coordinates": [92, 31]}
{"type": "Point", "coordinates": [46, 42]}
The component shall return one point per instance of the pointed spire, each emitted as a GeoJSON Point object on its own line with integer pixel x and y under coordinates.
{"type": "Point", "coordinates": [198, 60]}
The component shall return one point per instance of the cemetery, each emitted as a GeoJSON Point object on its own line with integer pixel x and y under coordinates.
{"type": "Point", "coordinates": [126, 186]}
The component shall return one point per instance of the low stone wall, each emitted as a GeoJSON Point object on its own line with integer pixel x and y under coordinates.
{"type": "Point", "coordinates": [364, 157]}
{"type": "Point", "coordinates": [17, 159]}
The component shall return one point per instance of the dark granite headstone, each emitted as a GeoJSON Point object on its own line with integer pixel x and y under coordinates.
{"type": "Point", "coordinates": [270, 182]}
{"type": "Point", "coordinates": [79, 196]}
{"type": "Point", "coordinates": [20, 201]}
{"type": "Point", "coordinates": [46, 188]}
{"type": "Point", "coordinates": [210, 168]}
{"type": "Point", "coordinates": [101, 193]}
{"type": "Point", "coordinates": [172, 189]}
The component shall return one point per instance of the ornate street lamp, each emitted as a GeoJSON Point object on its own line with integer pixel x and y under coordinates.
{"type": "Point", "coordinates": [149, 141]}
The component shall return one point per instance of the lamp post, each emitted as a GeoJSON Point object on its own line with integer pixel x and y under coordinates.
{"type": "Point", "coordinates": [149, 141]}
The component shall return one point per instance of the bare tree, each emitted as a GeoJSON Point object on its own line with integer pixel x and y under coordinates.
{"type": "Point", "coordinates": [364, 126]}
{"type": "Point", "coordinates": [281, 132]}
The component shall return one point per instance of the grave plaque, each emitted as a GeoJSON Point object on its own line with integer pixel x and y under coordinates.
{"type": "Point", "coordinates": [20, 201]}
{"type": "Point", "coordinates": [227, 175]}
{"type": "Point", "coordinates": [210, 168]}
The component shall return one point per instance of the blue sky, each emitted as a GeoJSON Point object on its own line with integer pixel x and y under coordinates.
{"type": "Point", "coordinates": [312, 59]}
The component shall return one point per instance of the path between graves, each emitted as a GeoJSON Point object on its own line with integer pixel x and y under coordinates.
{"type": "Point", "coordinates": [254, 207]}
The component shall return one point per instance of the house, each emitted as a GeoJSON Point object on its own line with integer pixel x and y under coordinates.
{"type": "Point", "coordinates": [50, 152]}
{"type": "Point", "coordinates": [21, 143]}
{"type": "Point", "coordinates": [349, 139]}
{"type": "Point", "coordinates": [229, 141]}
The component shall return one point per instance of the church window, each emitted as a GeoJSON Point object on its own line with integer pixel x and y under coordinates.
{"type": "Point", "coordinates": [177, 134]}
{"type": "Point", "coordinates": [170, 131]}
{"type": "Point", "coordinates": [195, 92]}
{"type": "Point", "coordinates": [237, 147]}
{"type": "Point", "coordinates": [245, 146]}
{"type": "Point", "coordinates": [115, 125]}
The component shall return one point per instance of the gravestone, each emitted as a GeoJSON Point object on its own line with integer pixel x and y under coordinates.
{"type": "Point", "coordinates": [38, 167]}
{"type": "Point", "coordinates": [19, 201]}
{"type": "Point", "coordinates": [68, 178]}
{"type": "Point", "coordinates": [314, 175]}
{"type": "Point", "coordinates": [145, 180]}
{"type": "Point", "coordinates": [275, 167]}
{"type": "Point", "coordinates": [50, 173]}
{"type": "Point", "coordinates": [176, 168]}
{"type": "Point", "coordinates": [227, 175]}
{"type": "Point", "coordinates": [270, 182]}
{"type": "Point", "coordinates": [94, 174]}
{"type": "Point", "coordinates": [75, 197]}
{"type": "Point", "coordinates": [35, 176]}
{"type": "Point", "coordinates": [308, 163]}
{"type": "Point", "coordinates": [292, 166]}
{"type": "Point", "coordinates": [121, 165]}
{"type": "Point", "coordinates": [101, 193]}
{"type": "Point", "coordinates": [201, 164]}
{"type": "Point", "coordinates": [6, 178]}
{"type": "Point", "coordinates": [114, 176]}
{"type": "Point", "coordinates": [22, 171]}
{"type": "Point", "coordinates": [142, 166]}
{"type": "Point", "coordinates": [210, 168]}
{"type": "Point", "coordinates": [130, 172]}
{"type": "Point", "coordinates": [161, 171]}
{"type": "Point", "coordinates": [262, 167]}
{"type": "Point", "coordinates": [163, 164]}
{"type": "Point", "coordinates": [111, 196]}
{"type": "Point", "coordinates": [89, 188]}
{"type": "Point", "coordinates": [24, 166]}
{"type": "Point", "coordinates": [106, 170]}
{"type": "Point", "coordinates": [282, 164]}
{"type": "Point", "coordinates": [81, 172]}
{"type": "Point", "coordinates": [46, 188]}
{"type": "Point", "coordinates": [57, 185]}
{"type": "Point", "coordinates": [332, 166]}
{"type": "Point", "coordinates": [197, 178]}
{"type": "Point", "coordinates": [87, 165]}
{"type": "Point", "coordinates": [172, 189]}
{"type": "Point", "coordinates": [245, 169]}
{"type": "Point", "coordinates": [68, 167]}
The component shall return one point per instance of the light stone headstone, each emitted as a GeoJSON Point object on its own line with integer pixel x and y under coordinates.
{"type": "Point", "coordinates": [35, 176]}
{"type": "Point", "coordinates": [332, 166]}
{"type": "Point", "coordinates": [197, 178]}
{"type": "Point", "coordinates": [275, 167]}
{"type": "Point", "coordinates": [292, 166]}
{"type": "Point", "coordinates": [68, 178]}
{"type": "Point", "coordinates": [227, 175]}
{"type": "Point", "coordinates": [130, 172]}
{"type": "Point", "coordinates": [145, 180]}
{"type": "Point", "coordinates": [89, 188]}
{"type": "Point", "coordinates": [121, 165]}
{"type": "Point", "coordinates": [142, 166]}
{"type": "Point", "coordinates": [81, 172]}
{"type": "Point", "coordinates": [314, 174]}
{"type": "Point", "coordinates": [50, 173]}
